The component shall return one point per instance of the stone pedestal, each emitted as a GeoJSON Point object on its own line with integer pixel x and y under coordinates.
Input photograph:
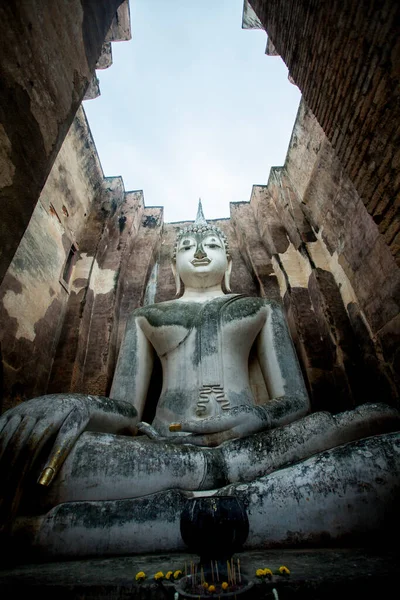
{"type": "Point", "coordinates": [322, 573]}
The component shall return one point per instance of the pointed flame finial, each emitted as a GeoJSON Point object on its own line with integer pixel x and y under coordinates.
{"type": "Point", "coordinates": [200, 219]}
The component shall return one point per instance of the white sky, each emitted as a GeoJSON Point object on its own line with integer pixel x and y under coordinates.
{"type": "Point", "coordinates": [192, 107]}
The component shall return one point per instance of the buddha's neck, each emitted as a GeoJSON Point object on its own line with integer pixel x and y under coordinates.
{"type": "Point", "coordinates": [201, 294]}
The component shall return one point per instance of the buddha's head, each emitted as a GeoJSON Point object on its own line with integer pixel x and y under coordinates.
{"type": "Point", "coordinates": [201, 256]}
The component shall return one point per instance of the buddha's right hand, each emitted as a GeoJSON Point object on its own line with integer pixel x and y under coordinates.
{"type": "Point", "coordinates": [27, 428]}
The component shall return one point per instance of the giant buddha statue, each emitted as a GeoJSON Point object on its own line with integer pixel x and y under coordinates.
{"type": "Point", "coordinates": [83, 475]}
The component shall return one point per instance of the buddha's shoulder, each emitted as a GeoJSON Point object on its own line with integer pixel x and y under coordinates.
{"type": "Point", "coordinates": [230, 306]}
{"type": "Point", "coordinates": [240, 306]}
{"type": "Point", "coordinates": [170, 312]}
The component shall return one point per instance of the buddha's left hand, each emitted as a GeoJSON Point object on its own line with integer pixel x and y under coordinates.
{"type": "Point", "coordinates": [234, 423]}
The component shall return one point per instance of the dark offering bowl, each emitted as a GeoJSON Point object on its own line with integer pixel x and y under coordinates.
{"type": "Point", "coordinates": [214, 527]}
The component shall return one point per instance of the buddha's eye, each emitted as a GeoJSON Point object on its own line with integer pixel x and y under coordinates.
{"type": "Point", "coordinates": [212, 246]}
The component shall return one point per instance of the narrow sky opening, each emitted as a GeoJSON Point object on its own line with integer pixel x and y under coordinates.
{"type": "Point", "coordinates": [192, 107]}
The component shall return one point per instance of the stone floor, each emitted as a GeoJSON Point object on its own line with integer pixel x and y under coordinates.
{"type": "Point", "coordinates": [314, 575]}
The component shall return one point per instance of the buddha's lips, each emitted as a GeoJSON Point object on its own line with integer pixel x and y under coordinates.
{"type": "Point", "coordinates": [196, 262]}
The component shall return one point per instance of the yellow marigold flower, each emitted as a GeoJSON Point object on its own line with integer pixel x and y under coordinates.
{"type": "Point", "coordinates": [140, 576]}
{"type": "Point", "coordinates": [159, 575]}
{"type": "Point", "coordinates": [205, 585]}
{"type": "Point", "coordinates": [168, 575]}
{"type": "Point", "coordinates": [225, 585]}
{"type": "Point", "coordinates": [283, 570]}
{"type": "Point", "coordinates": [260, 572]}
{"type": "Point", "coordinates": [177, 574]}
{"type": "Point", "coordinates": [211, 588]}
{"type": "Point", "coordinates": [267, 573]}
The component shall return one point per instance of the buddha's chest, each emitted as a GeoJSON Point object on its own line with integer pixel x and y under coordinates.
{"type": "Point", "coordinates": [194, 333]}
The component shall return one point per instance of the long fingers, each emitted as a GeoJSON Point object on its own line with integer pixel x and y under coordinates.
{"type": "Point", "coordinates": [13, 465]}
{"type": "Point", "coordinates": [148, 430]}
{"type": "Point", "coordinates": [211, 439]}
{"type": "Point", "coordinates": [22, 441]}
{"type": "Point", "coordinates": [4, 420]}
{"type": "Point", "coordinates": [210, 425]}
{"type": "Point", "coordinates": [71, 429]}
{"type": "Point", "coordinates": [19, 441]}
{"type": "Point", "coordinates": [14, 441]}
{"type": "Point", "coordinates": [9, 427]}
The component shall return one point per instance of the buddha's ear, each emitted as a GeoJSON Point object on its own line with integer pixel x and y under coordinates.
{"type": "Point", "coordinates": [227, 277]}
{"type": "Point", "coordinates": [177, 278]}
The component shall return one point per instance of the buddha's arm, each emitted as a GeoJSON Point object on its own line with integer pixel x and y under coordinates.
{"type": "Point", "coordinates": [57, 419]}
{"type": "Point", "coordinates": [26, 429]}
{"type": "Point", "coordinates": [281, 371]}
{"type": "Point", "coordinates": [134, 367]}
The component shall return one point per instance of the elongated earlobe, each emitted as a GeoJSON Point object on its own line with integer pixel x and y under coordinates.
{"type": "Point", "coordinates": [227, 276]}
{"type": "Point", "coordinates": [177, 279]}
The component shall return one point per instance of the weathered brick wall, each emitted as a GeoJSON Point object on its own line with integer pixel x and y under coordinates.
{"type": "Point", "coordinates": [109, 281]}
{"type": "Point", "coordinates": [345, 58]}
{"type": "Point", "coordinates": [48, 54]}
{"type": "Point", "coordinates": [338, 279]}
{"type": "Point", "coordinates": [32, 297]}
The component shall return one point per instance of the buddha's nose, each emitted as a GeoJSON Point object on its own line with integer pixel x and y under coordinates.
{"type": "Point", "coordinates": [199, 254]}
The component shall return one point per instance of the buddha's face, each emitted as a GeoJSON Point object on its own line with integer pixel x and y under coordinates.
{"type": "Point", "coordinates": [201, 259]}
